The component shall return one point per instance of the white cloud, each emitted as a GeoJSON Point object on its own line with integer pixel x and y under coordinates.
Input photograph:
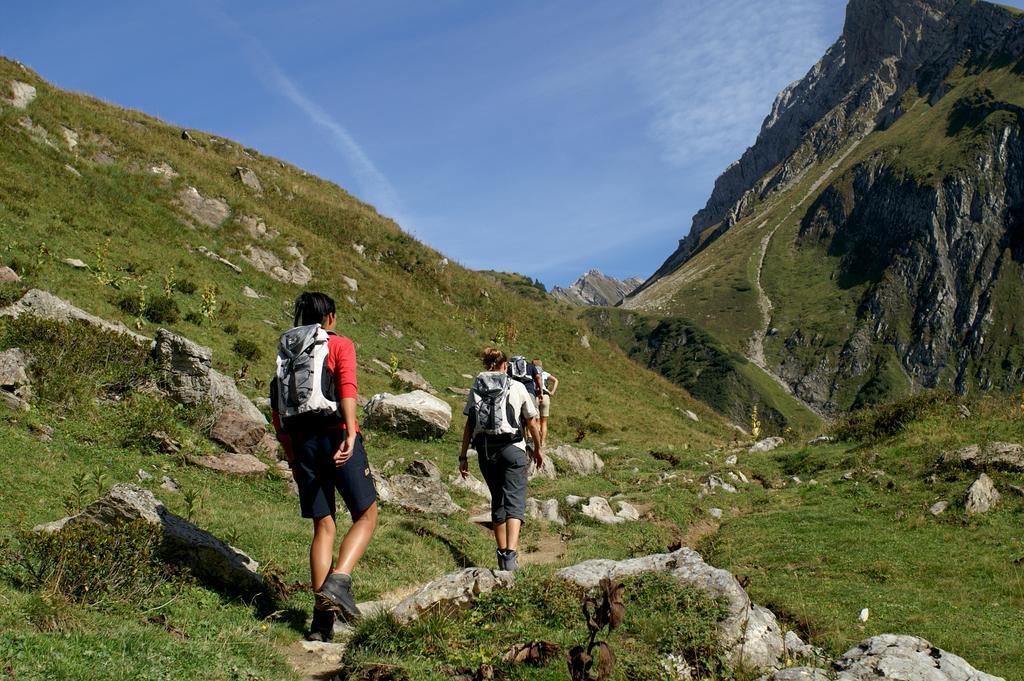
{"type": "Point", "coordinates": [374, 186]}
{"type": "Point", "coordinates": [716, 67]}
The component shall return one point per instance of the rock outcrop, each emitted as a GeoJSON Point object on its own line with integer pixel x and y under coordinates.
{"type": "Point", "coordinates": [415, 493]}
{"type": "Point", "coordinates": [595, 288]}
{"type": "Point", "coordinates": [22, 94]}
{"type": "Point", "coordinates": [452, 592]}
{"type": "Point", "coordinates": [982, 496]}
{"type": "Point", "coordinates": [15, 381]}
{"type": "Point", "coordinates": [417, 414]}
{"type": "Point", "coordinates": [206, 212]}
{"type": "Point", "coordinates": [546, 511]}
{"type": "Point", "coordinates": [209, 558]}
{"type": "Point", "coordinates": [45, 305]}
{"type": "Point", "coordinates": [1003, 455]}
{"type": "Point", "coordinates": [268, 262]}
{"type": "Point", "coordinates": [580, 461]}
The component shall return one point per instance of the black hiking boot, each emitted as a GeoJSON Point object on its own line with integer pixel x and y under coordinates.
{"type": "Point", "coordinates": [322, 628]}
{"type": "Point", "coordinates": [511, 560]}
{"type": "Point", "coordinates": [500, 553]}
{"type": "Point", "coordinates": [337, 590]}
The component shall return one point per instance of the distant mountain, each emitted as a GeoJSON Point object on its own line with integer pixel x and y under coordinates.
{"type": "Point", "coordinates": [596, 288]}
{"type": "Point", "coordinates": [871, 242]}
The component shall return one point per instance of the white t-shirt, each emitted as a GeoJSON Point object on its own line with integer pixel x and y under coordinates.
{"type": "Point", "coordinates": [544, 376]}
{"type": "Point", "coordinates": [522, 405]}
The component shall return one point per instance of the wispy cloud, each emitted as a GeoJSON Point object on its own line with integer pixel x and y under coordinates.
{"type": "Point", "coordinates": [373, 185]}
{"type": "Point", "coordinates": [715, 68]}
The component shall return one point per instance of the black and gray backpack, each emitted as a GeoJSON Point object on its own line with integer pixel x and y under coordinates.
{"type": "Point", "coordinates": [518, 369]}
{"type": "Point", "coordinates": [303, 391]}
{"type": "Point", "coordinates": [494, 420]}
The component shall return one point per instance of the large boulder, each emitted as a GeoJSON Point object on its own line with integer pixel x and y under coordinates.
{"type": "Point", "coordinates": [471, 484]}
{"type": "Point", "coordinates": [208, 558]}
{"type": "Point", "coordinates": [578, 460]}
{"type": "Point", "coordinates": [546, 511]}
{"type": "Point", "coordinates": [1005, 455]}
{"type": "Point", "coordinates": [416, 493]}
{"type": "Point", "coordinates": [187, 376]}
{"type": "Point", "coordinates": [890, 656]}
{"type": "Point", "coordinates": [982, 496]}
{"type": "Point", "coordinates": [208, 212]}
{"type": "Point", "coordinates": [8, 276]}
{"type": "Point", "coordinates": [451, 592]}
{"type": "Point", "coordinates": [15, 382]}
{"type": "Point", "coordinates": [767, 444]}
{"type": "Point", "coordinates": [238, 432]}
{"type": "Point", "coordinates": [750, 634]}
{"type": "Point", "coordinates": [45, 305]}
{"type": "Point", "coordinates": [271, 264]}
{"type": "Point", "coordinates": [22, 94]}
{"type": "Point", "coordinates": [417, 414]}
{"type": "Point", "coordinates": [546, 470]}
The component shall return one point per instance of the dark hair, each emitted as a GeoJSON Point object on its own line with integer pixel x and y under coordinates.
{"type": "Point", "coordinates": [312, 307]}
{"type": "Point", "coordinates": [492, 358]}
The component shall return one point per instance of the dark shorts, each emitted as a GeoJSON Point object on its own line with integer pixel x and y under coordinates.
{"type": "Point", "coordinates": [317, 476]}
{"type": "Point", "coordinates": [504, 469]}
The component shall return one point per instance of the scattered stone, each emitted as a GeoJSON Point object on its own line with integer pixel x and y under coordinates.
{"type": "Point", "coordinates": [70, 137]}
{"type": "Point", "coordinates": [572, 500]}
{"type": "Point", "coordinates": [546, 511]}
{"type": "Point", "coordinates": [982, 496]}
{"type": "Point", "coordinates": [163, 169]}
{"type": "Point", "coordinates": [715, 513]}
{"type": "Point", "coordinates": [238, 432]}
{"type": "Point", "coordinates": [580, 461]}
{"type": "Point", "coordinates": [206, 212]}
{"type": "Point", "coordinates": [389, 330]}
{"type": "Point", "coordinates": [71, 169]}
{"type": "Point", "coordinates": [714, 483]}
{"type": "Point", "coordinates": [820, 440]}
{"type": "Point", "coordinates": [360, 249]}
{"type": "Point", "coordinates": [627, 511]}
{"type": "Point", "coordinates": [249, 292]}
{"type": "Point", "coordinates": [187, 376]}
{"type": "Point", "coordinates": [104, 158]}
{"type": "Point", "coordinates": [938, 507]}
{"type": "Point", "coordinates": [22, 94]}
{"type": "Point", "coordinates": [207, 557]}
{"type": "Point", "coordinates": [43, 432]}
{"type": "Point", "coordinates": [962, 411]}
{"type": "Point", "coordinates": [462, 392]}
{"type": "Point", "coordinates": [424, 469]}
{"type": "Point", "coordinates": [168, 483]}
{"type": "Point", "coordinates": [547, 469]}
{"type": "Point", "coordinates": [329, 653]}
{"type": "Point", "coordinates": [284, 471]}
{"type": "Point", "coordinates": [8, 276]}
{"type": "Point", "coordinates": [270, 264]}
{"type": "Point", "coordinates": [676, 668]}
{"type": "Point", "coordinates": [143, 476]}
{"type": "Point", "coordinates": [749, 633]}
{"type": "Point", "coordinates": [690, 415]}
{"type": "Point", "coordinates": [416, 414]}
{"type": "Point", "coordinates": [15, 381]}
{"type": "Point", "coordinates": [1003, 455]}
{"type": "Point", "coordinates": [412, 380]}
{"type": "Point", "coordinates": [75, 263]}
{"type": "Point", "coordinates": [598, 509]}
{"type": "Point", "coordinates": [218, 258]}
{"type": "Point", "coordinates": [352, 284]}
{"type": "Point", "coordinates": [864, 615]}
{"type": "Point", "coordinates": [241, 465]}
{"type": "Point", "coordinates": [767, 444]}
{"type": "Point", "coordinates": [419, 346]}
{"type": "Point", "coordinates": [471, 484]}
{"type": "Point", "coordinates": [416, 494]}
{"type": "Point", "coordinates": [584, 342]}
{"type": "Point", "coordinates": [452, 592]}
{"type": "Point", "coordinates": [731, 460]}
{"type": "Point", "coordinates": [249, 179]}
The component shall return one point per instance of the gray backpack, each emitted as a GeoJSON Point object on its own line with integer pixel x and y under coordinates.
{"type": "Point", "coordinates": [495, 421]}
{"type": "Point", "coordinates": [303, 391]}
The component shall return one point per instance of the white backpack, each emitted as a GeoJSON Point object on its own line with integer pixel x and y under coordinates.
{"type": "Point", "coordinates": [495, 421]}
{"type": "Point", "coordinates": [303, 389]}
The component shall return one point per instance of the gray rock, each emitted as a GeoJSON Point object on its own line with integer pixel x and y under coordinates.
{"type": "Point", "coordinates": [22, 94]}
{"type": "Point", "coordinates": [546, 511]}
{"type": "Point", "coordinates": [242, 465]}
{"type": "Point", "coordinates": [238, 432]}
{"type": "Point", "coordinates": [820, 440]}
{"type": "Point", "coordinates": [424, 469]}
{"type": "Point", "coordinates": [599, 509]}
{"type": "Point", "coordinates": [796, 649]}
{"type": "Point", "coordinates": [389, 330]}
{"type": "Point", "coordinates": [547, 469]}
{"type": "Point", "coordinates": [352, 284]}
{"type": "Point", "coordinates": [627, 511]}
{"type": "Point", "coordinates": [255, 227]}
{"type": "Point", "coordinates": [1002, 455]}
{"type": "Point", "coordinates": [417, 414]}
{"type": "Point", "coordinates": [216, 257]}
{"type": "Point", "coordinates": [690, 415]}
{"type": "Point", "coordinates": [249, 178]}
{"type": "Point", "coordinates": [75, 263]}
{"type": "Point", "coordinates": [8, 276]}
{"type": "Point", "coordinates": [731, 460]}
{"type": "Point", "coordinates": [45, 305]}
{"type": "Point", "coordinates": [15, 379]}
{"type": "Point", "coordinates": [163, 169]}
{"type": "Point", "coordinates": [71, 169]}
{"type": "Point", "coordinates": [208, 557]}
{"type": "Point", "coordinates": [170, 484]}
{"type": "Point", "coordinates": [714, 483]}
{"type": "Point", "coordinates": [962, 411]}
{"type": "Point", "coordinates": [585, 342]}
{"type": "Point", "coordinates": [715, 513]}
{"type": "Point", "coordinates": [412, 380]}
{"type": "Point", "coordinates": [416, 494]}
{"type": "Point", "coordinates": [451, 592]}
{"type": "Point", "coordinates": [749, 633]}
{"type": "Point", "coordinates": [802, 674]}
{"type": "Point", "coordinates": [767, 444]}
{"type": "Point", "coordinates": [206, 212]}
{"type": "Point", "coordinates": [329, 652]}
{"type": "Point", "coordinates": [938, 507]}
{"type": "Point", "coordinates": [471, 484]}
{"type": "Point", "coordinates": [143, 476]}
{"type": "Point", "coordinates": [573, 501]}
{"type": "Point", "coordinates": [250, 292]}
{"type": "Point", "coordinates": [578, 460]}
{"type": "Point", "coordinates": [982, 496]}
{"type": "Point", "coordinates": [272, 265]}
{"type": "Point", "coordinates": [461, 392]}
{"type": "Point", "coordinates": [360, 249]}
{"type": "Point", "coordinates": [908, 658]}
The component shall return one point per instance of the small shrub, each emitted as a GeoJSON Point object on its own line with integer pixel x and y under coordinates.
{"type": "Point", "coordinates": [11, 293]}
{"type": "Point", "coordinates": [161, 310]}
{"type": "Point", "coordinates": [131, 303]}
{"type": "Point", "coordinates": [89, 563]}
{"type": "Point", "coordinates": [186, 286]}
{"type": "Point", "coordinates": [194, 317]}
{"type": "Point", "coordinates": [231, 328]}
{"type": "Point", "coordinates": [247, 349]}
{"type": "Point", "coordinates": [887, 420]}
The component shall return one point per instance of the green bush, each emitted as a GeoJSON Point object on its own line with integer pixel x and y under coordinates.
{"type": "Point", "coordinates": [89, 563]}
{"type": "Point", "coordinates": [161, 310]}
{"type": "Point", "coordinates": [231, 328]}
{"type": "Point", "coordinates": [887, 420]}
{"type": "Point", "coordinates": [130, 303]}
{"type": "Point", "coordinates": [186, 286]}
{"type": "Point", "coordinates": [247, 349]}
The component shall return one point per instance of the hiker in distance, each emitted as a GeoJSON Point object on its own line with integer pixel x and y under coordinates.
{"type": "Point", "coordinates": [544, 405]}
{"type": "Point", "coordinates": [313, 396]}
{"type": "Point", "coordinates": [527, 373]}
{"type": "Point", "coordinates": [497, 410]}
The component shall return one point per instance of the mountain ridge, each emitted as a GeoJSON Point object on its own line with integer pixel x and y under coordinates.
{"type": "Point", "coordinates": [596, 288]}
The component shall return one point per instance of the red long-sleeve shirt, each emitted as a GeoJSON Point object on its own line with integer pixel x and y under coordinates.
{"type": "Point", "coordinates": [341, 363]}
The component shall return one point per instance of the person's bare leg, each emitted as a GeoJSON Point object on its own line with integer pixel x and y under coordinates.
{"type": "Point", "coordinates": [512, 526]}
{"type": "Point", "coordinates": [500, 535]}
{"type": "Point", "coordinates": [543, 431]}
{"type": "Point", "coordinates": [321, 551]}
{"type": "Point", "coordinates": [358, 537]}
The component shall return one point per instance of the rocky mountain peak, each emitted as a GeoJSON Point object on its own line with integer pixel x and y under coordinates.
{"type": "Point", "coordinates": [596, 288]}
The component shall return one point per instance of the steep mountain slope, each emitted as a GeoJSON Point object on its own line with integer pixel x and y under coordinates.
{"type": "Point", "coordinates": [596, 288]}
{"type": "Point", "coordinates": [224, 238]}
{"type": "Point", "coordinates": [870, 242]}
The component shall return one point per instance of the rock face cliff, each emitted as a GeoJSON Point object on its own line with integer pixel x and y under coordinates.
{"type": "Point", "coordinates": [596, 288]}
{"type": "Point", "coordinates": [871, 242]}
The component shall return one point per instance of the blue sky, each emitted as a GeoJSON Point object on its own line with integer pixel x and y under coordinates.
{"type": "Point", "coordinates": [540, 137]}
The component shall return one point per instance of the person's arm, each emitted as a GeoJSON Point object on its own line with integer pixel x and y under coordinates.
{"type": "Point", "coordinates": [554, 387]}
{"type": "Point", "coordinates": [539, 383]}
{"type": "Point", "coordinates": [467, 435]}
{"type": "Point", "coordinates": [344, 367]}
{"type": "Point", "coordinates": [538, 457]}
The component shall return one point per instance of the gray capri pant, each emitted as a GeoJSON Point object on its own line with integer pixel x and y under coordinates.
{"type": "Point", "coordinates": [504, 469]}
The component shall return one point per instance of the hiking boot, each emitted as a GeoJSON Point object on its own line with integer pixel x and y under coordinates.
{"type": "Point", "coordinates": [500, 553]}
{"type": "Point", "coordinates": [322, 628]}
{"type": "Point", "coordinates": [511, 563]}
{"type": "Point", "coordinates": [337, 590]}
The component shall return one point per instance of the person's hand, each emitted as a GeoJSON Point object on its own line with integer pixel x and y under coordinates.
{"type": "Point", "coordinates": [344, 452]}
{"type": "Point", "coordinates": [464, 466]}
{"type": "Point", "coordinates": [538, 458]}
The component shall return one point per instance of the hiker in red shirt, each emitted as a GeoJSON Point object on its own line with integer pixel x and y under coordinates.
{"type": "Point", "coordinates": [313, 396]}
